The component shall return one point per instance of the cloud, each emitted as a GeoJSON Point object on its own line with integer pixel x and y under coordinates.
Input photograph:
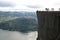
{"type": "Point", "coordinates": [5, 4]}
{"type": "Point", "coordinates": [34, 6]}
{"type": "Point", "coordinates": [57, 5]}
{"type": "Point", "coordinates": [14, 35]}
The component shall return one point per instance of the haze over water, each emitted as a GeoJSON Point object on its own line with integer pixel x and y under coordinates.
{"type": "Point", "coordinates": [15, 35]}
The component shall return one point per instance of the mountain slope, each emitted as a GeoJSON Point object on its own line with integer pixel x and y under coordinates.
{"type": "Point", "coordinates": [20, 24]}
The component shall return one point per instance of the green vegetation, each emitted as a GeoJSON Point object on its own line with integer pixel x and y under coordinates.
{"type": "Point", "coordinates": [18, 21]}
{"type": "Point", "coordinates": [20, 24]}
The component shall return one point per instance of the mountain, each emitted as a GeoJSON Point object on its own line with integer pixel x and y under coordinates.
{"type": "Point", "coordinates": [5, 16]}
{"type": "Point", "coordinates": [18, 14]}
{"type": "Point", "coordinates": [18, 21]}
{"type": "Point", "coordinates": [20, 24]}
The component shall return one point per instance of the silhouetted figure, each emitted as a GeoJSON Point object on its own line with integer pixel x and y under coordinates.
{"type": "Point", "coordinates": [52, 9]}
{"type": "Point", "coordinates": [47, 9]}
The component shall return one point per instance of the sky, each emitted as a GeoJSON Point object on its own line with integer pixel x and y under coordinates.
{"type": "Point", "coordinates": [28, 5]}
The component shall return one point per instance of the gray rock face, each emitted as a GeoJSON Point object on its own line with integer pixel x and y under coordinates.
{"type": "Point", "coordinates": [49, 25]}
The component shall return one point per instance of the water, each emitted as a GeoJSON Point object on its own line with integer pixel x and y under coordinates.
{"type": "Point", "coordinates": [15, 35]}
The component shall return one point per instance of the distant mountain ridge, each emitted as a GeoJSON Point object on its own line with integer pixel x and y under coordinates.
{"type": "Point", "coordinates": [18, 21]}
{"type": "Point", "coordinates": [18, 14]}
{"type": "Point", "coordinates": [20, 24]}
{"type": "Point", "coordinates": [4, 16]}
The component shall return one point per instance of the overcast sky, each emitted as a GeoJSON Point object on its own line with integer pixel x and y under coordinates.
{"type": "Point", "coordinates": [28, 5]}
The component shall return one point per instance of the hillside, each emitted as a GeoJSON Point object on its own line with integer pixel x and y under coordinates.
{"type": "Point", "coordinates": [17, 14]}
{"type": "Point", "coordinates": [22, 24]}
{"type": "Point", "coordinates": [6, 16]}
{"type": "Point", "coordinates": [18, 21]}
